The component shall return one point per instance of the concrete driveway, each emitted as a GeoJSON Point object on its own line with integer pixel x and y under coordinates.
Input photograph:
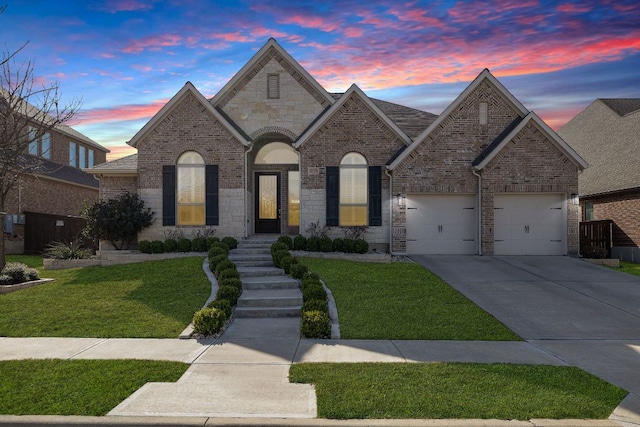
{"type": "Point", "coordinates": [587, 315]}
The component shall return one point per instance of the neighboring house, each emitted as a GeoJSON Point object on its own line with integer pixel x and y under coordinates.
{"type": "Point", "coordinates": [45, 205]}
{"type": "Point", "coordinates": [607, 135]}
{"type": "Point", "coordinates": [274, 152]}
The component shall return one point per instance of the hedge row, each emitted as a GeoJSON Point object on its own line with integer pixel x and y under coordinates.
{"type": "Point", "coordinates": [211, 319]}
{"type": "Point", "coordinates": [197, 244]}
{"type": "Point", "coordinates": [325, 244]}
{"type": "Point", "coordinates": [315, 309]}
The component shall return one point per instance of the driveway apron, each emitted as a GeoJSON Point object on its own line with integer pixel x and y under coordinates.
{"type": "Point", "coordinates": [584, 314]}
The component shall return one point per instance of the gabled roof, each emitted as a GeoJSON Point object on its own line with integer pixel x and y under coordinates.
{"type": "Point", "coordinates": [484, 75]}
{"type": "Point", "coordinates": [124, 166]}
{"type": "Point", "coordinates": [232, 85]}
{"type": "Point", "coordinates": [494, 148]}
{"type": "Point", "coordinates": [327, 114]}
{"type": "Point", "coordinates": [622, 106]}
{"type": "Point", "coordinates": [187, 88]}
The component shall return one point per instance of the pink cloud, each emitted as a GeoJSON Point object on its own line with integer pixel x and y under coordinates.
{"type": "Point", "coordinates": [154, 42]}
{"type": "Point", "coordinates": [115, 6]}
{"type": "Point", "coordinates": [120, 112]}
{"type": "Point", "coordinates": [119, 151]}
{"type": "Point", "coordinates": [573, 8]}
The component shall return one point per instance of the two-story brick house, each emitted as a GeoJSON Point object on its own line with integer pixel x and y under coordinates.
{"type": "Point", "coordinates": [45, 202]}
{"type": "Point", "coordinates": [274, 152]}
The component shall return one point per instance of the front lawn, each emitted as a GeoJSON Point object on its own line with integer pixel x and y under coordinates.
{"type": "Point", "coordinates": [630, 267]}
{"type": "Point", "coordinates": [403, 301]}
{"type": "Point", "coordinates": [456, 390]}
{"type": "Point", "coordinates": [153, 299]}
{"type": "Point", "coordinates": [77, 387]}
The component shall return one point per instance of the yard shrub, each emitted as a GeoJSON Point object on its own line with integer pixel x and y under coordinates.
{"type": "Point", "coordinates": [170, 245]}
{"type": "Point", "coordinates": [224, 265]}
{"type": "Point", "coordinates": [157, 247]}
{"type": "Point", "coordinates": [338, 244]}
{"type": "Point", "coordinates": [287, 262]}
{"type": "Point", "coordinates": [314, 292]}
{"type": "Point", "coordinates": [222, 304]}
{"type": "Point", "coordinates": [215, 251]}
{"type": "Point", "coordinates": [326, 244]}
{"type": "Point", "coordinates": [313, 244]}
{"type": "Point", "coordinates": [219, 245]}
{"type": "Point", "coordinates": [18, 272]}
{"type": "Point", "coordinates": [348, 246]}
{"type": "Point", "coordinates": [208, 321]}
{"type": "Point", "coordinates": [360, 246]}
{"type": "Point", "coordinates": [228, 274]}
{"type": "Point", "coordinates": [287, 241]}
{"type": "Point", "coordinates": [315, 305]}
{"type": "Point", "coordinates": [278, 246]}
{"type": "Point", "coordinates": [230, 281]}
{"type": "Point", "coordinates": [199, 244]}
{"type": "Point", "coordinates": [67, 250]}
{"type": "Point", "coordinates": [310, 281]}
{"type": "Point", "coordinates": [184, 245]}
{"type": "Point", "coordinates": [144, 246]}
{"type": "Point", "coordinates": [211, 240]}
{"type": "Point", "coordinates": [315, 324]}
{"type": "Point", "coordinates": [230, 242]}
{"type": "Point", "coordinates": [230, 293]}
{"type": "Point", "coordinates": [278, 256]}
{"type": "Point", "coordinates": [300, 243]}
{"type": "Point", "coordinates": [298, 271]}
{"type": "Point", "coordinates": [214, 261]}
{"type": "Point", "coordinates": [5, 280]}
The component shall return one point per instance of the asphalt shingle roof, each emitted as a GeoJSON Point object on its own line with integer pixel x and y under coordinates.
{"type": "Point", "coordinates": [622, 106]}
{"type": "Point", "coordinates": [49, 169]}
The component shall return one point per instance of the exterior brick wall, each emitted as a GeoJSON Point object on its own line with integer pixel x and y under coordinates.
{"type": "Point", "coordinates": [114, 186]}
{"type": "Point", "coordinates": [624, 209]}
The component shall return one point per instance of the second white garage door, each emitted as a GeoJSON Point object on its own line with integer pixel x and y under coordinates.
{"type": "Point", "coordinates": [529, 224]}
{"type": "Point", "coordinates": [441, 224]}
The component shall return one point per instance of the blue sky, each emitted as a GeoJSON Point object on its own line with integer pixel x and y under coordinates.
{"type": "Point", "coordinates": [125, 58]}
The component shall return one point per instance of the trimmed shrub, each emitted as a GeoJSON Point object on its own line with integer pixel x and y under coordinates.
{"type": "Point", "coordinates": [313, 244]}
{"type": "Point", "coordinates": [278, 256]}
{"type": "Point", "coordinates": [310, 281]}
{"type": "Point", "coordinates": [219, 246]}
{"type": "Point", "coordinates": [326, 244]}
{"type": "Point", "coordinates": [224, 265]}
{"type": "Point", "coordinates": [211, 241]}
{"type": "Point", "coordinates": [312, 275]}
{"type": "Point", "coordinates": [300, 243]}
{"type": "Point", "coordinates": [230, 293]}
{"type": "Point", "coordinates": [199, 244]}
{"type": "Point", "coordinates": [360, 246]}
{"type": "Point", "coordinates": [18, 272]}
{"type": "Point", "coordinates": [214, 261]}
{"type": "Point", "coordinates": [228, 274]}
{"type": "Point", "coordinates": [222, 304]}
{"type": "Point", "coordinates": [170, 245]}
{"type": "Point", "coordinates": [157, 247]}
{"type": "Point", "coordinates": [278, 246]}
{"type": "Point", "coordinates": [5, 280]}
{"type": "Point", "coordinates": [298, 271]}
{"type": "Point", "coordinates": [315, 305]}
{"type": "Point", "coordinates": [348, 245]}
{"type": "Point", "coordinates": [144, 246]}
{"type": "Point", "coordinates": [287, 241]}
{"type": "Point", "coordinates": [315, 324]}
{"type": "Point", "coordinates": [314, 292]}
{"type": "Point", "coordinates": [208, 321]}
{"type": "Point", "coordinates": [230, 281]}
{"type": "Point", "coordinates": [287, 262]}
{"type": "Point", "coordinates": [184, 245]}
{"type": "Point", "coordinates": [230, 242]}
{"type": "Point", "coordinates": [338, 244]}
{"type": "Point", "coordinates": [215, 251]}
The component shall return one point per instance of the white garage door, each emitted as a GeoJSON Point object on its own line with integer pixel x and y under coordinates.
{"type": "Point", "coordinates": [441, 224]}
{"type": "Point", "coordinates": [529, 224]}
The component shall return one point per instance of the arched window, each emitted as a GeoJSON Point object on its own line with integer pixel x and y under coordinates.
{"type": "Point", "coordinates": [190, 189]}
{"type": "Point", "coordinates": [353, 190]}
{"type": "Point", "coordinates": [277, 153]}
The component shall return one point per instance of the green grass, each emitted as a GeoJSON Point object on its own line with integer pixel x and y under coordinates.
{"type": "Point", "coordinates": [444, 390]}
{"type": "Point", "coordinates": [154, 299]}
{"type": "Point", "coordinates": [76, 387]}
{"type": "Point", "coordinates": [403, 301]}
{"type": "Point", "coordinates": [630, 267]}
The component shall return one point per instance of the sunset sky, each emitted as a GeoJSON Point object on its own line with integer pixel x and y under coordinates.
{"type": "Point", "coordinates": [126, 58]}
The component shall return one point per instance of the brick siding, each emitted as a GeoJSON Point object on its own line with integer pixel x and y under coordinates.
{"type": "Point", "coordinates": [624, 209]}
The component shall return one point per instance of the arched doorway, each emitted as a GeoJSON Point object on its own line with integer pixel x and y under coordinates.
{"type": "Point", "coordinates": [276, 187]}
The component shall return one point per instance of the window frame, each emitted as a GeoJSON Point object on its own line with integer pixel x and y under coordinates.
{"type": "Point", "coordinates": [198, 198]}
{"type": "Point", "coordinates": [351, 175]}
{"type": "Point", "coordinates": [73, 154]}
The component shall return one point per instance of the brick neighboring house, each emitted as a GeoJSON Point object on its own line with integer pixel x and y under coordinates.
{"type": "Point", "coordinates": [46, 204]}
{"type": "Point", "coordinates": [607, 135]}
{"type": "Point", "coordinates": [274, 152]}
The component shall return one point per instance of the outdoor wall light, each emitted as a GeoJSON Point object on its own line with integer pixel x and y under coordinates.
{"type": "Point", "coordinates": [575, 199]}
{"type": "Point", "coordinates": [400, 197]}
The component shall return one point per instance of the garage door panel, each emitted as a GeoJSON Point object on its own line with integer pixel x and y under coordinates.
{"type": "Point", "coordinates": [441, 224]}
{"type": "Point", "coordinates": [529, 224]}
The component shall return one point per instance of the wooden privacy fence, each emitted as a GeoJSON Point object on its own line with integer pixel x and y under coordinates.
{"type": "Point", "coordinates": [42, 229]}
{"type": "Point", "coordinates": [595, 238]}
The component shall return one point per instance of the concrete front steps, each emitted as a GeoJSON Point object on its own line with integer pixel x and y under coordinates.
{"type": "Point", "coordinates": [266, 291]}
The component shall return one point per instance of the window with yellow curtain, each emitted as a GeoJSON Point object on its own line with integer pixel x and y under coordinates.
{"type": "Point", "coordinates": [191, 189]}
{"type": "Point", "coordinates": [353, 190]}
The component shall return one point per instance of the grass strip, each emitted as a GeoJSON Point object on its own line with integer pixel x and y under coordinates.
{"type": "Point", "coordinates": [153, 299]}
{"type": "Point", "coordinates": [76, 387]}
{"type": "Point", "coordinates": [403, 301]}
{"type": "Point", "coordinates": [456, 390]}
{"type": "Point", "coordinates": [630, 268]}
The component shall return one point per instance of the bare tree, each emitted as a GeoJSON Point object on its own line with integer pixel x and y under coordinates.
{"type": "Point", "coordinates": [27, 112]}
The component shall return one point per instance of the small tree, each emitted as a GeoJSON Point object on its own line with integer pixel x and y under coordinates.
{"type": "Point", "coordinates": [117, 221]}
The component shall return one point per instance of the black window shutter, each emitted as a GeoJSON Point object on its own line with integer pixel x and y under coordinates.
{"type": "Point", "coordinates": [211, 184]}
{"type": "Point", "coordinates": [333, 195]}
{"type": "Point", "coordinates": [375, 196]}
{"type": "Point", "coordinates": [168, 195]}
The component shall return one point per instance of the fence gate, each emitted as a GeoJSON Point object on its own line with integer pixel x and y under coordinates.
{"type": "Point", "coordinates": [595, 236]}
{"type": "Point", "coordinates": [42, 229]}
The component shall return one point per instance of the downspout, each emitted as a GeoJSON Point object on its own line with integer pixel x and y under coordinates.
{"type": "Point", "coordinates": [479, 215]}
{"type": "Point", "coordinates": [246, 191]}
{"type": "Point", "coordinates": [386, 171]}
{"type": "Point", "coordinates": [299, 191]}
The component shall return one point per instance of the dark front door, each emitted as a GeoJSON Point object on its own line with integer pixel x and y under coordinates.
{"type": "Point", "coordinates": [267, 202]}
